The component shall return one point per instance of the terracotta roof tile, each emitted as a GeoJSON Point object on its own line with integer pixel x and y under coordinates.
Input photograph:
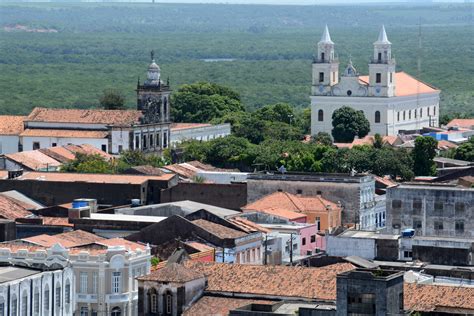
{"type": "Point", "coordinates": [11, 124]}
{"type": "Point", "coordinates": [248, 226]}
{"type": "Point", "coordinates": [63, 133]}
{"type": "Point", "coordinates": [56, 221]}
{"type": "Point", "coordinates": [406, 85]}
{"type": "Point", "coordinates": [219, 230]}
{"type": "Point", "coordinates": [86, 177]}
{"type": "Point", "coordinates": [34, 160]}
{"type": "Point", "coordinates": [146, 170]}
{"type": "Point", "coordinates": [12, 209]}
{"type": "Point", "coordinates": [58, 153]}
{"type": "Point", "coordinates": [426, 298]}
{"type": "Point", "coordinates": [297, 282]}
{"type": "Point", "coordinates": [181, 126]}
{"type": "Point", "coordinates": [445, 145]}
{"type": "Point", "coordinates": [173, 272]}
{"type": "Point", "coordinates": [186, 172]}
{"type": "Point", "coordinates": [128, 245]}
{"type": "Point", "coordinates": [219, 306]}
{"type": "Point", "coordinates": [464, 123]}
{"type": "Point", "coordinates": [290, 206]}
{"type": "Point", "coordinates": [68, 239]}
{"type": "Point", "coordinates": [94, 116]}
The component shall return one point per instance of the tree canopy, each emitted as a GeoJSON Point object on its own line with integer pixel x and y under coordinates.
{"type": "Point", "coordinates": [423, 155]}
{"type": "Point", "coordinates": [112, 100]}
{"type": "Point", "coordinates": [348, 123]}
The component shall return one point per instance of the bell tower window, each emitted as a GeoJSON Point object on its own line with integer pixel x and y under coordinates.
{"type": "Point", "coordinates": [379, 58]}
{"type": "Point", "coordinates": [320, 116]}
{"type": "Point", "coordinates": [378, 77]}
{"type": "Point", "coordinates": [322, 57]}
{"type": "Point", "coordinates": [321, 77]}
{"type": "Point", "coordinates": [377, 116]}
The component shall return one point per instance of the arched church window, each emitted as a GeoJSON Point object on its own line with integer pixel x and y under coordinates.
{"type": "Point", "coordinates": [404, 115]}
{"type": "Point", "coordinates": [116, 311]}
{"type": "Point", "coordinates": [320, 115]}
{"type": "Point", "coordinates": [349, 93]}
{"type": "Point", "coordinates": [153, 299]}
{"type": "Point", "coordinates": [428, 109]}
{"type": "Point", "coordinates": [398, 116]}
{"type": "Point", "coordinates": [377, 116]}
{"type": "Point", "coordinates": [165, 107]}
{"type": "Point", "coordinates": [169, 303]}
{"type": "Point", "coordinates": [416, 113]}
{"type": "Point", "coordinates": [421, 112]}
{"type": "Point", "coordinates": [409, 114]}
{"type": "Point", "coordinates": [322, 56]}
{"type": "Point", "coordinates": [434, 110]}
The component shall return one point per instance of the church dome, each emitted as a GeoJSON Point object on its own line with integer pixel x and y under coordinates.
{"type": "Point", "coordinates": [154, 66]}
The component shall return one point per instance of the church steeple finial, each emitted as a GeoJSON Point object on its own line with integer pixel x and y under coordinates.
{"type": "Point", "coordinates": [326, 37]}
{"type": "Point", "coordinates": [382, 39]}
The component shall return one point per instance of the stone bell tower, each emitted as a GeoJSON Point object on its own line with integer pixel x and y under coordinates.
{"type": "Point", "coordinates": [325, 66]}
{"type": "Point", "coordinates": [153, 96]}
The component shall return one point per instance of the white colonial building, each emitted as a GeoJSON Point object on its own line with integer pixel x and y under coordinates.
{"type": "Point", "coordinates": [392, 101]}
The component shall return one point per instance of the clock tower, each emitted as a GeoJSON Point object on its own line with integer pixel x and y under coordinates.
{"type": "Point", "coordinates": [382, 68]}
{"type": "Point", "coordinates": [325, 66]}
{"type": "Point", "coordinates": [153, 96]}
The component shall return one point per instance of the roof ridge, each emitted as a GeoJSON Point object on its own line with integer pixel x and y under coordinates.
{"type": "Point", "coordinates": [292, 197]}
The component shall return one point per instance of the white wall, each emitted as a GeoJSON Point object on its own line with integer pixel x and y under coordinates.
{"type": "Point", "coordinates": [120, 138]}
{"type": "Point", "coordinates": [46, 142]}
{"type": "Point", "coordinates": [9, 144]}
{"type": "Point", "coordinates": [346, 246]}
{"type": "Point", "coordinates": [200, 133]}
{"type": "Point", "coordinates": [223, 177]}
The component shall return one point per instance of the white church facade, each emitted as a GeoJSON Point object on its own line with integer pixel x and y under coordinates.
{"type": "Point", "coordinates": [393, 102]}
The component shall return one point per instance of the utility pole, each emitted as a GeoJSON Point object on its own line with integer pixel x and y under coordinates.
{"type": "Point", "coordinates": [291, 249]}
{"type": "Point", "coordinates": [266, 248]}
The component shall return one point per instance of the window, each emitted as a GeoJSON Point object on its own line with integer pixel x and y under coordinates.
{"type": "Point", "coordinates": [398, 116]}
{"type": "Point", "coordinates": [95, 284]}
{"type": "Point", "coordinates": [46, 300]}
{"type": "Point", "coordinates": [459, 227]}
{"type": "Point", "coordinates": [349, 93]}
{"type": "Point", "coordinates": [378, 77]}
{"type": "Point", "coordinates": [299, 191]}
{"type": "Point", "coordinates": [2, 309]}
{"type": "Point", "coordinates": [120, 148]}
{"type": "Point", "coordinates": [165, 107]}
{"type": "Point", "coordinates": [67, 293]}
{"type": "Point", "coordinates": [303, 241]}
{"type": "Point", "coordinates": [116, 311]}
{"type": "Point", "coordinates": [417, 205]}
{"type": "Point", "coordinates": [153, 303]}
{"type": "Point", "coordinates": [165, 140]}
{"type": "Point", "coordinates": [54, 144]}
{"type": "Point", "coordinates": [116, 281]}
{"type": "Point", "coordinates": [169, 302]}
{"type": "Point", "coordinates": [391, 77]}
{"type": "Point", "coordinates": [320, 115]}
{"type": "Point", "coordinates": [58, 296]}
{"type": "Point", "coordinates": [318, 221]}
{"type": "Point", "coordinates": [322, 56]}
{"type": "Point", "coordinates": [36, 302]}
{"type": "Point", "coordinates": [83, 282]}
{"type": "Point", "coordinates": [438, 207]}
{"type": "Point", "coordinates": [333, 76]}
{"type": "Point", "coordinates": [428, 109]}
{"type": "Point", "coordinates": [36, 145]}
{"type": "Point", "coordinates": [377, 116]}
{"type": "Point", "coordinates": [151, 140]}
{"type": "Point", "coordinates": [417, 224]}
{"type": "Point", "coordinates": [104, 148]}
{"type": "Point", "coordinates": [84, 311]}
{"type": "Point", "coordinates": [397, 204]}
{"type": "Point", "coordinates": [459, 208]}
{"type": "Point", "coordinates": [24, 305]}
{"type": "Point", "coordinates": [143, 141]}
{"type": "Point", "coordinates": [321, 77]}
{"type": "Point", "coordinates": [438, 225]}
{"type": "Point", "coordinates": [421, 112]}
{"type": "Point", "coordinates": [14, 310]}
{"type": "Point", "coordinates": [309, 252]}
{"type": "Point", "coordinates": [313, 238]}
{"type": "Point", "coordinates": [379, 57]}
{"type": "Point", "coordinates": [409, 115]}
{"type": "Point", "coordinates": [434, 110]}
{"type": "Point", "coordinates": [137, 142]}
{"type": "Point", "coordinates": [407, 254]}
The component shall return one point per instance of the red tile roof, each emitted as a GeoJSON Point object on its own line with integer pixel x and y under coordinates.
{"type": "Point", "coordinates": [445, 145]}
{"type": "Point", "coordinates": [173, 272]}
{"type": "Point", "coordinates": [11, 124]}
{"type": "Point", "coordinates": [34, 160]}
{"type": "Point", "coordinates": [464, 123]}
{"type": "Point", "coordinates": [68, 239]}
{"type": "Point", "coordinates": [219, 306]}
{"type": "Point", "coordinates": [12, 209]}
{"type": "Point", "coordinates": [63, 133]}
{"type": "Point", "coordinates": [428, 298]}
{"type": "Point", "coordinates": [57, 221]}
{"type": "Point", "coordinates": [406, 85]}
{"type": "Point", "coordinates": [219, 230]}
{"type": "Point", "coordinates": [94, 116]}
{"type": "Point", "coordinates": [248, 226]}
{"type": "Point", "coordinates": [181, 126]}
{"type": "Point", "coordinates": [87, 177]}
{"type": "Point", "coordinates": [297, 282]}
{"type": "Point", "coordinates": [280, 202]}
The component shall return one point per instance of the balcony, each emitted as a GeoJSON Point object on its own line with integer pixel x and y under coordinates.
{"type": "Point", "coordinates": [86, 298]}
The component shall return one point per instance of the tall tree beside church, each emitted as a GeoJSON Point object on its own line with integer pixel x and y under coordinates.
{"type": "Point", "coordinates": [423, 155]}
{"type": "Point", "coordinates": [202, 102]}
{"type": "Point", "coordinates": [348, 123]}
{"type": "Point", "coordinates": [112, 100]}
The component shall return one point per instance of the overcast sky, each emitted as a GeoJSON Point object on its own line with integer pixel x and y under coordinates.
{"type": "Point", "coordinates": [299, 2]}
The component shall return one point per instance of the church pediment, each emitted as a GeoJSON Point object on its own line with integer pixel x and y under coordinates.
{"type": "Point", "coordinates": [350, 87]}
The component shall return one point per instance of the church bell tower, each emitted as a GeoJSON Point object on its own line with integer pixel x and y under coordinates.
{"type": "Point", "coordinates": [325, 66]}
{"type": "Point", "coordinates": [382, 68]}
{"type": "Point", "coordinates": [153, 96]}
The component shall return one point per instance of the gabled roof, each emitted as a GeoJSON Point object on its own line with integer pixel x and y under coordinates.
{"type": "Point", "coordinates": [248, 226]}
{"type": "Point", "coordinates": [182, 126]}
{"type": "Point", "coordinates": [406, 85]}
{"type": "Point", "coordinates": [68, 239]}
{"type": "Point", "coordinates": [284, 281]}
{"type": "Point", "coordinates": [464, 123]}
{"type": "Point", "coordinates": [218, 230]}
{"type": "Point", "coordinates": [94, 116]}
{"type": "Point", "coordinates": [34, 160]}
{"type": "Point", "coordinates": [11, 208]}
{"type": "Point", "coordinates": [173, 272]}
{"type": "Point", "coordinates": [219, 306]}
{"type": "Point", "coordinates": [288, 202]}
{"type": "Point", "coordinates": [11, 124]}
{"type": "Point", "coordinates": [427, 298]}
{"type": "Point", "coordinates": [63, 133]}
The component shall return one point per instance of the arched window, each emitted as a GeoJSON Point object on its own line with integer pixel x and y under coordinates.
{"type": "Point", "coordinates": [67, 292]}
{"type": "Point", "coordinates": [24, 304]}
{"type": "Point", "coordinates": [165, 107]}
{"type": "Point", "coordinates": [398, 116]}
{"type": "Point", "coordinates": [168, 303]}
{"type": "Point", "coordinates": [434, 110]}
{"type": "Point", "coordinates": [14, 309]}
{"type": "Point", "coordinates": [404, 116]}
{"type": "Point", "coordinates": [116, 311]}
{"type": "Point", "coordinates": [416, 113]}
{"type": "Point", "coordinates": [46, 300]}
{"type": "Point", "coordinates": [320, 115]}
{"type": "Point", "coordinates": [58, 296]}
{"type": "Point", "coordinates": [153, 301]}
{"type": "Point", "coordinates": [421, 112]}
{"type": "Point", "coordinates": [377, 116]}
{"type": "Point", "coordinates": [428, 109]}
{"type": "Point", "coordinates": [409, 115]}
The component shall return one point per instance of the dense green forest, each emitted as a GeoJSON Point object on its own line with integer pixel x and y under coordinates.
{"type": "Point", "coordinates": [65, 55]}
